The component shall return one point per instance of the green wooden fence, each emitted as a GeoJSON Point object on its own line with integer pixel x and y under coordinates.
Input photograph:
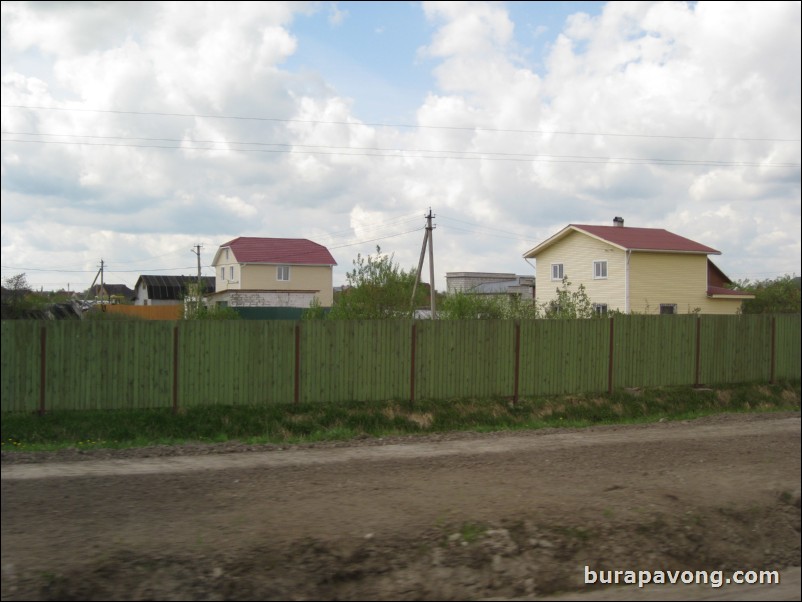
{"type": "Point", "coordinates": [138, 364]}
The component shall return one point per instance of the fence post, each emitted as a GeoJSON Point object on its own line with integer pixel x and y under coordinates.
{"type": "Point", "coordinates": [297, 397]}
{"type": "Point", "coordinates": [42, 369]}
{"type": "Point", "coordinates": [175, 369]}
{"type": "Point", "coordinates": [773, 349]}
{"type": "Point", "coordinates": [698, 368]}
{"type": "Point", "coordinates": [610, 359]}
{"type": "Point", "coordinates": [517, 359]}
{"type": "Point", "coordinates": [412, 365]}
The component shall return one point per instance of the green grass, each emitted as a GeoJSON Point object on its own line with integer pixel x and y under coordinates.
{"type": "Point", "coordinates": [285, 424]}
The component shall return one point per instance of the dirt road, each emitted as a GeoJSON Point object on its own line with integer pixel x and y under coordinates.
{"type": "Point", "coordinates": [466, 516]}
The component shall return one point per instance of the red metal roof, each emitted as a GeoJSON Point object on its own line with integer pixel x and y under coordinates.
{"type": "Point", "coordinates": [646, 239]}
{"type": "Point", "coordinates": [279, 250]}
{"type": "Point", "coordinates": [717, 290]}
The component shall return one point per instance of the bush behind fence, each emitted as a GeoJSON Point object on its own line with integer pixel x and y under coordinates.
{"type": "Point", "coordinates": [112, 365]}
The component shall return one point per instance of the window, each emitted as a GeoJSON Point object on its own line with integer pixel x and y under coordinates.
{"type": "Point", "coordinates": [668, 308]}
{"type": "Point", "coordinates": [222, 273]}
{"type": "Point", "coordinates": [231, 273]}
{"type": "Point", "coordinates": [226, 254]}
{"type": "Point", "coordinates": [283, 272]}
{"type": "Point", "coordinates": [600, 308]}
{"type": "Point", "coordinates": [557, 271]}
{"type": "Point", "coordinates": [599, 270]}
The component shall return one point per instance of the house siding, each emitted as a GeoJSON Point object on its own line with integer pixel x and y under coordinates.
{"type": "Point", "coordinates": [261, 277]}
{"type": "Point", "coordinates": [721, 306]}
{"type": "Point", "coordinates": [658, 278]}
{"type": "Point", "coordinates": [265, 277]}
{"type": "Point", "coordinates": [225, 282]}
{"type": "Point", "coordinates": [577, 252]}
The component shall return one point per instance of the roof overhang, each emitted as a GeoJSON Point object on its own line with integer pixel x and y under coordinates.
{"type": "Point", "coordinates": [217, 255]}
{"type": "Point", "coordinates": [532, 253]}
{"type": "Point", "coordinates": [717, 292]}
{"type": "Point", "coordinates": [289, 263]}
{"type": "Point", "coordinates": [570, 228]}
{"type": "Point", "coordinates": [736, 296]}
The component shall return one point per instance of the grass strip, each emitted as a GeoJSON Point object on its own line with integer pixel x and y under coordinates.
{"type": "Point", "coordinates": [303, 423]}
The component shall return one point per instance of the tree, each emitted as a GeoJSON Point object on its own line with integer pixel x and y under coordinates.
{"type": "Point", "coordinates": [570, 304]}
{"type": "Point", "coordinates": [778, 296]}
{"type": "Point", "coordinates": [377, 288]}
{"type": "Point", "coordinates": [469, 306]}
{"type": "Point", "coordinates": [16, 297]}
{"type": "Point", "coordinates": [315, 311]}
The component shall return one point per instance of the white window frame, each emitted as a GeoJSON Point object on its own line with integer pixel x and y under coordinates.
{"type": "Point", "coordinates": [600, 270]}
{"type": "Point", "coordinates": [231, 273]}
{"type": "Point", "coordinates": [283, 270]}
{"type": "Point", "coordinates": [600, 309]}
{"type": "Point", "coordinates": [560, 269]}
{"type": "Point", "coordinates": [672, 306]}
{"type": "Point", "coordinates": [223, 273]}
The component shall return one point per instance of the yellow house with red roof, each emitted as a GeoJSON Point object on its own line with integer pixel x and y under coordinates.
{"type": "Point", "coordinates": [634, 270]}
{"type": "Point", "coordinates": [272, 272]}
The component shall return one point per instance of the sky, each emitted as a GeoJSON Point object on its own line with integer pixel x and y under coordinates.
{"type": "Point", "coordinates": [133, 131]}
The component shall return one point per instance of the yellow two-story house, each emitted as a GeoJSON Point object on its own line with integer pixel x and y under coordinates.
{"type": "Point", "coordinates": [272, 272]}
{"type": "Point", "coordinates": [634, 270]}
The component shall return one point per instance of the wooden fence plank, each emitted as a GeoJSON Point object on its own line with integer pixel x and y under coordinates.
{"type": "Point", "coordinates": [114, 364]}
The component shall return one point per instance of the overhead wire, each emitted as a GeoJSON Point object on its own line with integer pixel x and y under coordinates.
{"type": "Point", "coordinates": [447, 154]}
{"type": "Point", "coordinates": [379, 151]}
{"type": "Point", "coordinates": [288, 258]}
{"type": "Point", "coordinates": [402, 125]}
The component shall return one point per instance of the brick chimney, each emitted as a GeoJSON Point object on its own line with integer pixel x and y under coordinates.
{"type": "Point", "coordinates": [618, 222]}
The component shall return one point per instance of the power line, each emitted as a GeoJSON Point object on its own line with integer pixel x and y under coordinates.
{"type": "Point", "coordinates": [89, 271]}
{"type": "Point", "coordinates": [455, 229]}
{"type": "Point", "coordinates": [454, 219]}
{"type": "Point", "coordinates": [526, 158]}
{"type": "Point", "coordinates": [380, 151]}
{"type": "Point", "coordinates": [350, 244]}
{"type": "Point", "coordinates": [377, 226]}
{"type": "Point", "coordinates": [401, 125]}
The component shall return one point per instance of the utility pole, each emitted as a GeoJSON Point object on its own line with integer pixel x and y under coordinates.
{"type": "Point", "coordinates": [427, 238]}
{"type": "Point", "coordinates": [420, 267]}
{"type": "Point", "coordinates": [197, 250]}
{"type": "Point", "coordinates": [101, 282]}
{"type": "Point", "coordinates": [430, 233]}
{"type": "Point", "coordinates": [86, 294]}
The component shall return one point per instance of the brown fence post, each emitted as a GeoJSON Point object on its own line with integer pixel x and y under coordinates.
{"type": "Point", "coordinates": [42, 369]}
{"type": "Point", "coordinates": [297, 397]}
{"type": "Point", "coordinates": [698, 368]}
{"type": "Point", "coordinates": [517, 359]}
{"type": "Point", "coordinates": [175, 369]}
{"type": "Point", "coordinates": [610, 359]}
{"type": "Point", "coordinates": [412, 365]}
{"type": "Point", "coordinates": [773, 349]}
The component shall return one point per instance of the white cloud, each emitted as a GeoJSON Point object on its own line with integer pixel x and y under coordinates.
{"type": "Point", "coordinates": [336, 16]}
{"type": "Point", "coordinates": [682, 85]}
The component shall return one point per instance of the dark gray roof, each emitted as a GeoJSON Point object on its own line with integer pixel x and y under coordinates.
{"type": "Point", "coordinates": [173, 287]}
{"type": "Point", "coordinates": [113, 289]}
